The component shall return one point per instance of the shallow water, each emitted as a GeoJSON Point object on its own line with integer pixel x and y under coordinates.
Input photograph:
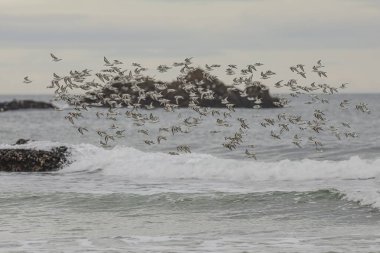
{"type": "Point", "coordinates": [132, 197]}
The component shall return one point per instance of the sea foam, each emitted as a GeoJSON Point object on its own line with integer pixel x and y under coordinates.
{"type": "Point", "coordinates": [134, 163]}
{"type": "Point", "coordinates": [356, 178]}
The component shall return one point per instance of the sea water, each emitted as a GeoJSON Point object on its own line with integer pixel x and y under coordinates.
{"type": "Point", "coordinates": [133, 197]}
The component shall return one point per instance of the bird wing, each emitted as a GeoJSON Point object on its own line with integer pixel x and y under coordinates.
{"type": "Point", "coordinates": [53, 56]}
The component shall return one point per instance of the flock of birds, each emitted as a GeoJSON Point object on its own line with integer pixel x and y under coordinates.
{"type": "Point", "coordinates": [77, 84]}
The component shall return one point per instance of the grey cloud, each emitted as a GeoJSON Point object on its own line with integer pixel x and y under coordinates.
{"type": "Point", "coordinates": [270, 35]}
{"type": "Point", "coordinates": [247, 33]}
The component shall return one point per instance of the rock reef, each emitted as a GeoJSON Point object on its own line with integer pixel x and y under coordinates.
{"type": "Point", "coordinates": [30, 160]}
{"type": "Point", "coordinates": [24, 104]}
{"type": "Point", "coordinates": [202, 83]}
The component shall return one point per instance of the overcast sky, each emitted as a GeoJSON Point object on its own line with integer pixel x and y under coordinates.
{"type": "Point", "coordinates": [279, 33]}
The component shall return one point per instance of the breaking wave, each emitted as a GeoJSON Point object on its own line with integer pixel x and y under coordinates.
{"type": "Point", "coordinates": [138, 164]}
{"type": "Point", "coordinates": [358, 179]}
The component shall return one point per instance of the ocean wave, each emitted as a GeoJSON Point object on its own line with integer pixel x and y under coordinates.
{"type": "Point", "coordinates": [355, 179]}
{"type": "Point", "coordinates": [40, 145]}
{"type": "Point", "coordinates": [135, 164]}
{"type": "Point", "coordinates": [138, 164]}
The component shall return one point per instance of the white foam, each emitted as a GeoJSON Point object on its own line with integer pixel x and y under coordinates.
{"type": "Point", "coordinates": [40, 145]}
{"type": "Point", "coordinates": [303, 175]}
{"type": "Point", "coordinates": [369, 196]}
{"type": "Point", "coordinates": [137, 164]}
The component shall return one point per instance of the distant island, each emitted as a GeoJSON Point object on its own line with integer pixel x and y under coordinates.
{"type": "Point", "coordinates": [177, 92]}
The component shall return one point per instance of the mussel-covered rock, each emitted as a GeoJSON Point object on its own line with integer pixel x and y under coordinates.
{"type": "Point", "coordinates": [24, 104]}
{"type": "Point", "coordinates": [30, 160]}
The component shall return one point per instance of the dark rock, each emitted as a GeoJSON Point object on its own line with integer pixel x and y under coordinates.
{"type": "Point", "coordinates": [198, 77]}
{"type": "Point", "coordinates": [29, 160]}
{"type": "Point", "coordinates": [24, 104]}
{"type": "Point", "coordinates": [21, 141]}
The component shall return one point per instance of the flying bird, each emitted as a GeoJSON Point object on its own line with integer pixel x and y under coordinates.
{"type": "Point", "coordinates": [55, 58]}
{"type": "Point", "coordinates": [27, 80]}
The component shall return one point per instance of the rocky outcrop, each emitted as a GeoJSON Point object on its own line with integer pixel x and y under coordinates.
{"type": "Point", "coordinates": [24, 104]}
{"type": "Point", "coordinates": [30, 160]}
{"type": "Point", "coordinates": [22, 141]}
{"type": "Point", "coordinates": [253, 95]}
